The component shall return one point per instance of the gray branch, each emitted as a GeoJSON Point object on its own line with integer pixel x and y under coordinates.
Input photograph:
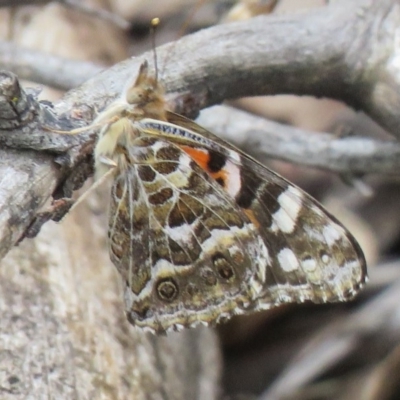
{"type": "Point", "coordinates": [76, 5]}
{"type": "Point", "coordinates": [344, 51]}
{"type": "Point", "coordinates": [354, 154]}
{"type": "Point", "coordinates": [44, 68]}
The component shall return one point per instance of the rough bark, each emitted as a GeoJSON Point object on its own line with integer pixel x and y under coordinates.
{"type": "Point", "coordinates": [63, 333]}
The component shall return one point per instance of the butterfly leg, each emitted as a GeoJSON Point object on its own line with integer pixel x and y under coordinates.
{"type": "Point", "coordinates": [106, 161]}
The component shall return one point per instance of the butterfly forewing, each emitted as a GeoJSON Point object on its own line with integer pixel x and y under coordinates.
{"type": "Point", "coordinates": [311, 256]}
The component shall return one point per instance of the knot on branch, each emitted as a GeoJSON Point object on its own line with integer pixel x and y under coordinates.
{"type": "Point", "coordinates": [17, 108]}
{"type": "Point", "coordinates": [29, 124]}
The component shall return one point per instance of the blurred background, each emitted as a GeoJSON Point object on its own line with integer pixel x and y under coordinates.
{"type": "Point", "coordinates": [343, 351]}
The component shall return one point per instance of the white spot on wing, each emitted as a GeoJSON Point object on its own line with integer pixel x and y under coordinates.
{"type": "Point", "coordinates": [325, 259]}
{"type": "Point", "coordinates": [332, 233]}
{"type": "Point", "coordinates": [181, 234]}
{"type": "Point", "coordinates": [158, 145]}
{"type": "Point", "coordinates": [314, 234]}
{"type": "Point", "coordinates": [313, 272]}
{"type": "Point", "coordinates": [234, 155]}
{"type": "Point", "coordinates": [180, 177]}
{"type": "Point", "coordinates": [309, 265]}
{"type": "Point", "coordinates": [163, 268]}
{"type": "Point", "coordinates": [287, 260]}
{"type": "Point", "coordinates": [285, 218]}
{"type": "Point", "coordinates": [233, 178]}
{"type": "Point", "coordinates": [184, 161]}
{"type": "Point", "coordinates": [282, 222]}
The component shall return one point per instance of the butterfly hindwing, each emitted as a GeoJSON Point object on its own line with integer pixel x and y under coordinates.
{"type": "Point", "coordinates": [187, 252]}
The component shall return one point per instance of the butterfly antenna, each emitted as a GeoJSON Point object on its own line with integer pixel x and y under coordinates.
{"type": "Point", "coordinates": [154, 24]}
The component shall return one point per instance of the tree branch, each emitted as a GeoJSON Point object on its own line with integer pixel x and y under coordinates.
{"type": "Point", "coordinates": [345, 51]}
{"type": "Point", "coordinates": [334, 51]}
{"type": "Point", "coordinates": [75, 5]}
{"type": "Point", "coordinates": [44, 68]}
{"type": "Point", "coordinates": [354, 154]}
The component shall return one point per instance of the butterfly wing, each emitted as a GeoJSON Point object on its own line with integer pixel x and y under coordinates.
{"type": "Point", "coordinates": [187, 253]}
{"type": "Point", "coordinates": [312, 256]}
{"type": "Point", "coordinates": [200, 231]}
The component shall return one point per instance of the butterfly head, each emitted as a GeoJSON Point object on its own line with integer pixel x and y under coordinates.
{"type": "Point", "coordinates": [146, 95]}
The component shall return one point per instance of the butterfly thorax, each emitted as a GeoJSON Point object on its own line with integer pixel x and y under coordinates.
{"type": "Point", "coordinates": [110, 149]}
{"type": "Point", "coordinates": [143, 99]}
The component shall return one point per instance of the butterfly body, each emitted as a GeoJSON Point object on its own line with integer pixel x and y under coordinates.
{"type": "Point", "coordinates": [199, 231]}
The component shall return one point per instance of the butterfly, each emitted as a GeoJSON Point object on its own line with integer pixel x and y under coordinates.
{"type": "Point", "coordinates": [200, 231]}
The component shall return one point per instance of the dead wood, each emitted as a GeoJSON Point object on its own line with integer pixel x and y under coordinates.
{"type": "Point", "coordinates": [64, 334]}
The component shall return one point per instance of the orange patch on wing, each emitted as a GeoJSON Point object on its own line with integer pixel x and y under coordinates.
{"type": "Point", "coordinates": [251, 217]}
{"type": "Point", "coordinates": [202, 158]}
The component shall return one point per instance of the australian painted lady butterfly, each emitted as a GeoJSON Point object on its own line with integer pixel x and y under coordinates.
{"type": "Point", "coordinates": [200, 231]}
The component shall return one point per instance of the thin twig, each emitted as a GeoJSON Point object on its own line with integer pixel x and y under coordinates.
{"type": "Point", "coordinates": [74, 5]}
{"type": "Point", "coordinates": [96, 12]}
{"type": "Point", "coordinates": [44, 68]}
{"type": "Point", "coordinates": [355, 154]}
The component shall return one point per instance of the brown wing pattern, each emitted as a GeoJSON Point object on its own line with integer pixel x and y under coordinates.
{"type": "Point", "coordinates": [200, 231]}
{"type": "Point", "coordinates": [186, 251]}
{"type": "Point", "coordinates": [194, 250]}
{"type": "Point", "coordinates": [312, 256]}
